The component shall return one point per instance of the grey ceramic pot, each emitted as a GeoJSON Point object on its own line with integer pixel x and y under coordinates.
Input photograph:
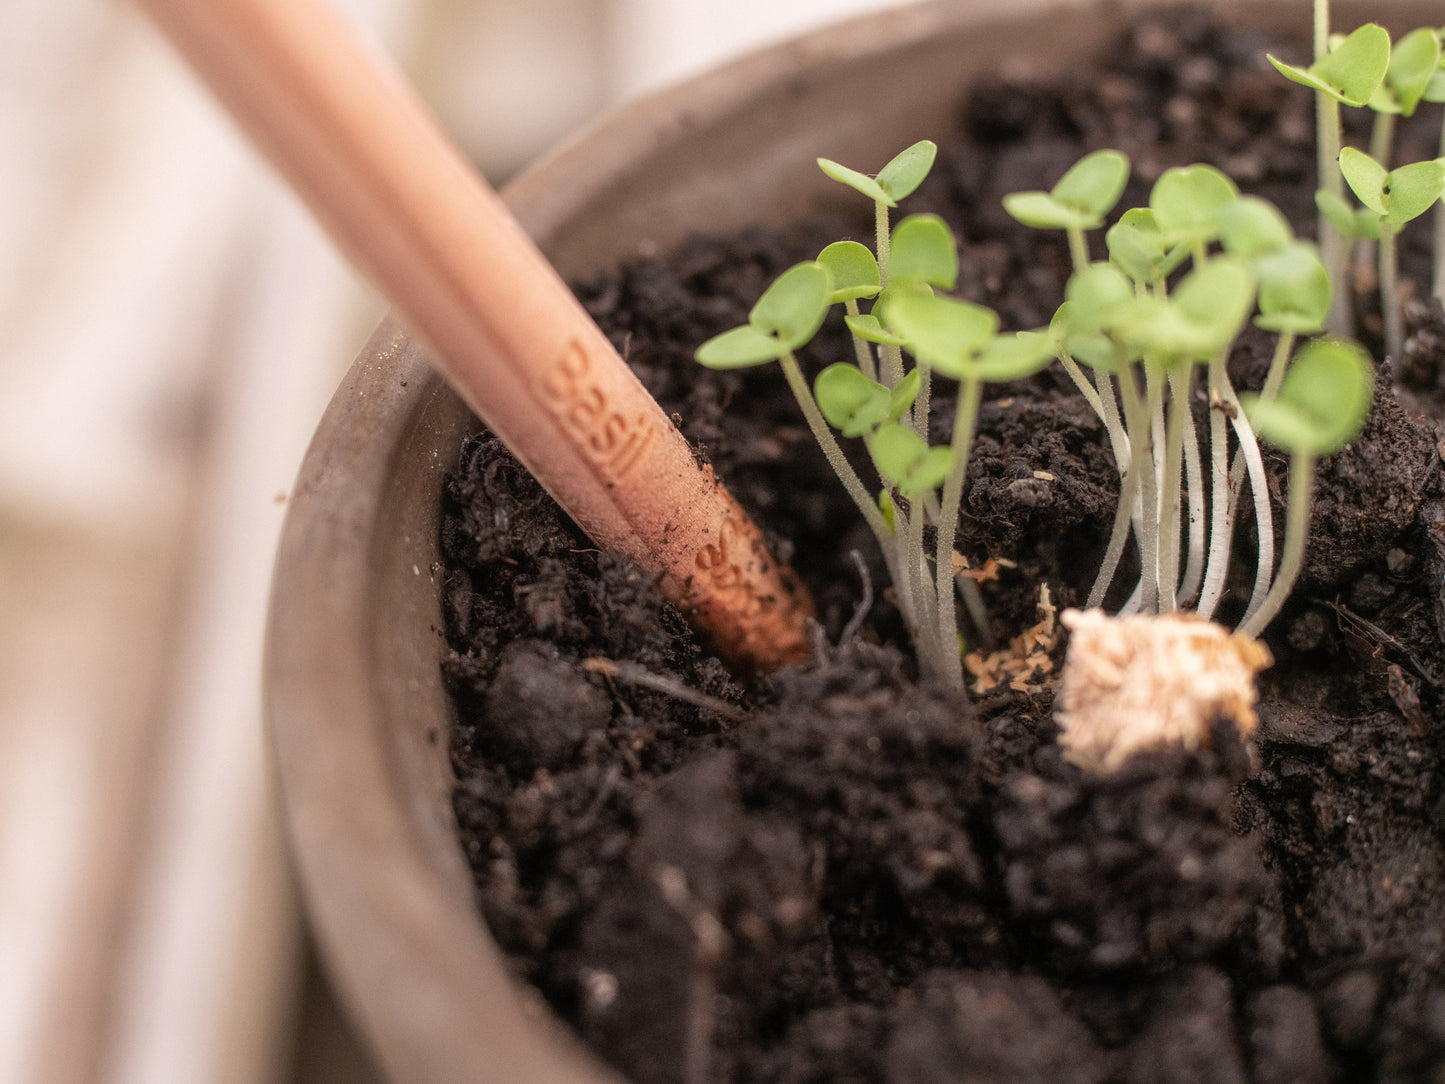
{"type": "Point", "coordinates": [356, 708]}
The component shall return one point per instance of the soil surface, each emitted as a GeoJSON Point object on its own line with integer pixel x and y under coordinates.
{"type": "Point", "coordinates": [841, 874]}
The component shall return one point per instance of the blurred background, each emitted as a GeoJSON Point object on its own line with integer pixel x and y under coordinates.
{"type": "Point", "coordinates": [171, 327]}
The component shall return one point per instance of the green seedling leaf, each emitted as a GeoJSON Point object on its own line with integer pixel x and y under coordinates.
{"type": "Point", "coordinates": [853, 404]}
{"type": "Point", "coordinates": [854, 270]}
{"type": "Point", "coordinates": [1094, 184]}
{"type": "Point", "coordinates": [885, 505]}
{"type": "Point", "coordinates": [1396, 196]}
{"type": "Point", "coordinates": [1083, 196]}
{"type": "Point", "coordinates": [1294, 290]}
{"type": "Point", "coordinates": [1323, 401]}
{"type": "Point", "coordinates": [1202, 317]}
{"type": "Point", "coordinates": [1356, 223]}
{"type": "Point", "coordinates": [1250, 228]}
{"type": "Point", "coordinates": [947, 335]}
{"type": "Point", "coordinates": [1040, 211]}
{"type": "Point", "coordinates": [739, 348]}
{"type": "Point", "coordinates": [1350, 71]}
{"type": "Point", "coordinates": [1187, 201]}
{"type": "Point", "coordinates": [1414, 62]}
{"type": "Point", "coordinates": [904, 394]}
{"type": "Point", "coordinates": [905, 461]}
{"type": "Point", "coordinates": [923, 250]}
{"type": "Point", "coordinates": [1096, 297]}
{"type": "Point", "coordinates": [867, 327]}
{"type": "Point", "coordinates": [1136, 245]}
{"type": "Point", "coordinates": [905, 173]}
{"type": "Point", "coordinates": [859, 182]}
{"type": "Point", "coordinates": [787, 315]}
{"type": "Point", "coordinates": [1435, 89]}
{"type": "Point", "coordinates": [793, 307]}
{"type": "Point", "coordinates": [1014, 357]}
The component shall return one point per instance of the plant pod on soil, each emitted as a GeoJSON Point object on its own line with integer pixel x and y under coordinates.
{"type": "Point", "coordinates": [1144, 682]}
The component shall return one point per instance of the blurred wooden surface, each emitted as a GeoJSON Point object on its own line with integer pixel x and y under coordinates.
{"type": "Point", "coordinates": [172, 327]}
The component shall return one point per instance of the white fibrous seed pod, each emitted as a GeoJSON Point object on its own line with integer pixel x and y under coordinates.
{"type": "Point", "coordinates": [1138, 683]}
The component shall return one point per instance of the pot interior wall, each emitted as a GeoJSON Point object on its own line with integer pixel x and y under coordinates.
{"type": "Point", "coordinates": [355, 698]}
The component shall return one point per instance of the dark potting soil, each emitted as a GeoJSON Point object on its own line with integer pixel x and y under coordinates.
{"type": "Point", "coordinates": [841, 874]}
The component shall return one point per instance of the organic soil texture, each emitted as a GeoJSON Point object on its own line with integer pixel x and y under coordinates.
{"type": "Point", "coordinates": [839, 873]}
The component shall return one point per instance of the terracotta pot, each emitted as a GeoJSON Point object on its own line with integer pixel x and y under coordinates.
{"type": "Point", "coordinates": [355, 700]}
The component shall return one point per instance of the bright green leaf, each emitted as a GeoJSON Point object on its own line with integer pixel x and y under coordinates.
{"type": "Point", "coordinates": [1040, 211]}
{"type": "Point", "coordinates": [851, 402]}
{"type": "Point", "coordinates": [793, 307]}
{"type": "Point", "coordinates": [1414, 61]}
{"type": "Point", "coordinates": [904, 394]}
{"type": "Point", "coordinates": [1187, 201]}
{"type": "Point", "coordinates": [1294, 290]}
{"type": "Point", "coordinates": [945, 334]}
{"type": "Point", "coordinates": [1323, 401]}
{"type": "Point", "coordinates": [1014, 357]}
{"type": "Point", "coordinates": [923, 250]}
{"type": "Point", "coordinates": [1093, 184]}
{"type": "Point", "coordinates": [854, 270]}
{"type": "Point", "coordinates": [1096, 296]}
{"type": "Point", "coordinates": [739, 348]}
{"type": "Point", "coordinates": [906, 461]}
{"type": "Point", "coordinates": [1350, 71]}
{"type": "Point", "coordinates": [1396, 196]}
{"type": "Point", "coordinates": [860, 182]}
{"type": "Point", "coordinates": [1252, 227]}
{"type": "Point", "coordinates": [907, 170]}
{"type": "Point", "coordinates": [1354, 223]}
{"type": "Point", "coordinates": [867, 327]}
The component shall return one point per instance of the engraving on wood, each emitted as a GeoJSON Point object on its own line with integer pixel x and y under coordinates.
{"type": "Point", "coordinates": [612, 441]}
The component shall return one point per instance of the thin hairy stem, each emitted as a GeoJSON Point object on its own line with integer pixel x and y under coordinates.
{"type": "Point", "coordinates": [1440, 233]}
{"type": "Point", "coordinates": [1123, 516]}
{"type": "Point", "coordinates": [1194, 475]}
{"type": "Point", "coordinates": [1390, 294]}
{"type": "Point", "coordinates": [862, 350]}
{"type": "Point", "coordinates": [964, 419]}
{"type": "Point", "coordinates": [1078, 247]}
{"type": "Point", "coordinates": [1334, 249]}
{"type": "Point", "coordinates": [1172, 492]}
{"type": "Point", "coordinates": [1137, 414]}
{"type": "Point", "coordinates": [823, 433]}
{"type": "Point", "coordinates": [1283, 348]}
{"type": "Point", "coordinates": [1296, 527]}
{"type": "Point", "coordinates": [1221, 512]}
{"type": "Point", "coordinates": [1259, 492]}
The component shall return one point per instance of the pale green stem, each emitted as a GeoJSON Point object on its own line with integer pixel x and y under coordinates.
{"type": "Point", "coordinates": [823, 433]}
{"type": "Point", "coordinates": [965, 417]}
{"type": "Point", "coordinates": [1194, 569]}
{"type": "Point", "coordinates": [1221, 518]}
{"type": "Point", "coordinates": [1118, 437]}
{"type": "Point", "coordinates": [1333, 249]}
{"type": "Point", "coordinates": [1078, 247]}
{"type": "Point", "coordinates": [1382, 138]}
{"type": "Point", "coordinates": [1123, 516]}
{"type": "Point", "coordinates": [862, 349]}
{"type": "Point", "coordinates": [1137, 412]}
{"type": "Point", "coordinates": [1283, 348]}
{"type": "Point", "coordinates": [1259, 493]}
{"type": "Point", "coordinates": [922, 404]}
{"type": "Point", "coordinates": [1169, 527]}
{"type": "Point", "coordinates": [1440, 233]}
{"type": "Point", "coordinates": [882, 240]}
{"type": "Point", "coordinates": [919, 585]}
{"type": "Point", "coordinates": [1296, 527]}
{"type": "Point", "coordinates": [1390, 294]}
{"type": "Point", "coordinates": [892, 366]}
